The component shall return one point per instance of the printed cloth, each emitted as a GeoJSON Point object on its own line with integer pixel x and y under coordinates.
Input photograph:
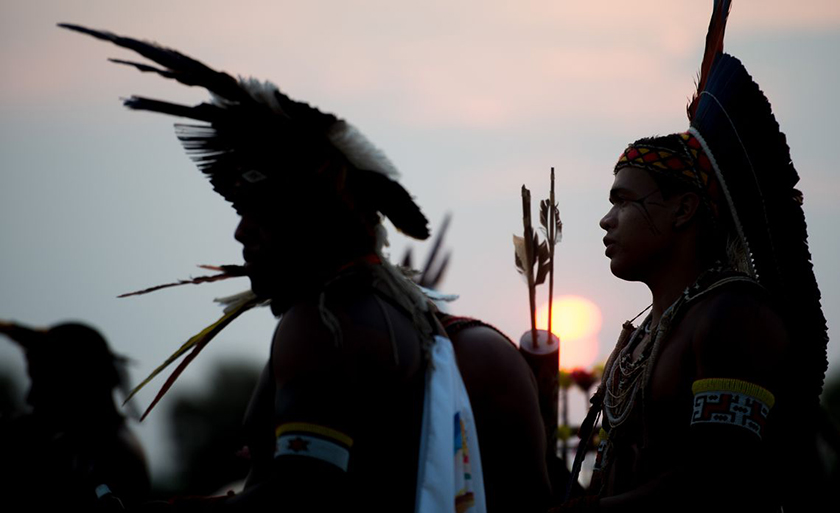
{"type": "Point", "coordinates": [449, 477]}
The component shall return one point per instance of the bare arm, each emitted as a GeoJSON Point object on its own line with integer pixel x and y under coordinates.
{"type": "Point", "coordinates": [343, 411]}
{"type": "Point", "coordinates": [737, 340]}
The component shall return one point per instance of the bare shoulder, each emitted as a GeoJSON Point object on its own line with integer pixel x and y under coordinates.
{"type": "Point", "coordinates": [500, 383]}
{"type": "Point", "coordinates": [357, 328]}
{"type": "Point", "coordinates": [738, 333]}
{"type": "Point", "coordinates": [300, 340]}
{"type": "Point", "coordinates": [348, 400]}
{"type": "Point", "coordinates": [487, 359]}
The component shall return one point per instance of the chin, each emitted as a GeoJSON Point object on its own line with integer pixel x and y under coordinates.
{"type": "Point", "coordinates": [622, 271]}
{"type": "Point", "coordinates": [282, 289]}
{"type": "Point", "coordinates": [260, 284]}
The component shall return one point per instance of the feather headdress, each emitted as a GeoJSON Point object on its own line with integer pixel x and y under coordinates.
{"type": "Point", "coordinates": [734, 123]}
{"type": "Point", "coordinates": [253, 135]}
{"type": "Point", "coordinates": [253, 143]}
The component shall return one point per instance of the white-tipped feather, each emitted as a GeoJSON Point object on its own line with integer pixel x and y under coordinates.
{"type": "Point", "coordinates": [381, 241]}
{"type": "Point", "coordinates": [263, 92]}
{"type": "Point", "coordinates": [404, 284]}
{"type": "Point", "coordinates": [346, 138]}
{"type": "Point", "coordinates": [436, 296]}
{"type": "Point", "coordinates": [234, 301]}
{"type": "Point", "coordinates": [359, 150]}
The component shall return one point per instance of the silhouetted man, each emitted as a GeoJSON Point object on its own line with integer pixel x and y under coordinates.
{"type": "Point", "coordinates": [357, 404]}
{"type": "Point", "coordinates": [709, 404]}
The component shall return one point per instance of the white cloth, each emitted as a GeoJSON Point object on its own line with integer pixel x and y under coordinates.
{"type": "Point", "coordinates": [449, 477]}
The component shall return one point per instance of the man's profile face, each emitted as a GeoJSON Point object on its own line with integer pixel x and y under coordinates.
{"type": "Point", "coordinates": [279, 250]}
{"type": "Point", "coordinates": [260, 239]}
{"type": "Point", "coordinates": [638, 225]}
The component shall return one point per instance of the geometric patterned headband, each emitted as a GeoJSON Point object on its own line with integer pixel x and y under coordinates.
{"type": "Point", "coordinates": [679, 156]}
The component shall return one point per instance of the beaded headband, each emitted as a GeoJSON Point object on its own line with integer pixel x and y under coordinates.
{"type": "Point", "coordinates": [678, 156]}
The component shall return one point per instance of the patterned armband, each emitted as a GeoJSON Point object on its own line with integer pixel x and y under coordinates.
{"type": "Point", "coordinates": [733, 402]}
{"type": "Point", "coordinates": [313, 441]}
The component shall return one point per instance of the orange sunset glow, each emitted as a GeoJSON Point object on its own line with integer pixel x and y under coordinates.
{"type": "Point", "coordinates": [577, 321]}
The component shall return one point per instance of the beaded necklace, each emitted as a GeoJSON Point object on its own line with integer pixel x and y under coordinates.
{"type": "Point", "coordinates": [627, 378]}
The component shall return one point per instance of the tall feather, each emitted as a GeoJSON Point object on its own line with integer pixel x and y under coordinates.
{"type": "Point", "coordinates": [714, 47]}
{"type": "Point", "coordinates": [185, 70]}
{"type": "Point", "coordinates": [435, 265]}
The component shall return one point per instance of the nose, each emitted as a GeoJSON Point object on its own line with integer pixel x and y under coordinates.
{"type": "Point", "coordinates": [608, 221]}
{"type": "Point", "coordinates": [245, 229]}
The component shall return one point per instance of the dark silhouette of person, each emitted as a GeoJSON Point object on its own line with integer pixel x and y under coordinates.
{"type": "Point", "coordinates": [339, 419]}
{"type": "Point", "coordinates": [712, 402]}
{"type": "Point", "coordinates": [74, 449]}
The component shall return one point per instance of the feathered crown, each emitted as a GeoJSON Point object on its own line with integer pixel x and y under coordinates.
{"type": "Point", "coordinates": [255, 135]}
{"type": "Point", "coordinates": [734, 123]}
{"type": "Point", "coordinates": [254, 143]}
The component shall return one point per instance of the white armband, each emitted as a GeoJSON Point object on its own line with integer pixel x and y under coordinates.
{"type": "Point", "coordinates": [313, 441]}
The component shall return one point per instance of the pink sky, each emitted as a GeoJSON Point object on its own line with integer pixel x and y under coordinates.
{"type": "Point", "coordinates": [470, 99]}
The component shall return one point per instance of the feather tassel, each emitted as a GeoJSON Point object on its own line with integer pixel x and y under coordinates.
{"type": "Point", "coordinates": [228, 271]}
{"type": "Point", "coordinates": [196, 343]}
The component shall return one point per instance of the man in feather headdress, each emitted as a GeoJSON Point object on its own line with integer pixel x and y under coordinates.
{"type": "Point", "coordinates": [710, 404]}
{"type": "Point", "coordinates": [356, 405]}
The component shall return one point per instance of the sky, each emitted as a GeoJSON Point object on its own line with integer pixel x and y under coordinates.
{"type": "Point", "coordinates": [470, 99]}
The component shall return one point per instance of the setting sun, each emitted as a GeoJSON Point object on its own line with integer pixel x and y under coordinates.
{"type": "Point", "coordinates": [577, 321]}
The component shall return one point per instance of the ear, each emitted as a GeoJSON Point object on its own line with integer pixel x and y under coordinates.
{"type": "Point", "coordinates": [687, 208]}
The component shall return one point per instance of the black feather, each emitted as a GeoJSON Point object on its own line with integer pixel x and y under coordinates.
{"type": "Point", "coordinates": [184, 69]}
{"type": "Point", "coordinates": [246, 134]}
{"type": "Point", "coordinates": [393, 201]}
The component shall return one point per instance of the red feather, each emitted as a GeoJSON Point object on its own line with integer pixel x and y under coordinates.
{"type": "Point", "coordinates": [228, 271]}
{"type": "Point", "coordinates": [714, 47]}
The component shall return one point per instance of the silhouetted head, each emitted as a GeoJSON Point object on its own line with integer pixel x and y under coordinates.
{"type": "Point", "coordinates": [296, 231]}
{"type": "Point", "coordinates": [71, 369]}
{"type": "Point", "coordinates": [668, 183]}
